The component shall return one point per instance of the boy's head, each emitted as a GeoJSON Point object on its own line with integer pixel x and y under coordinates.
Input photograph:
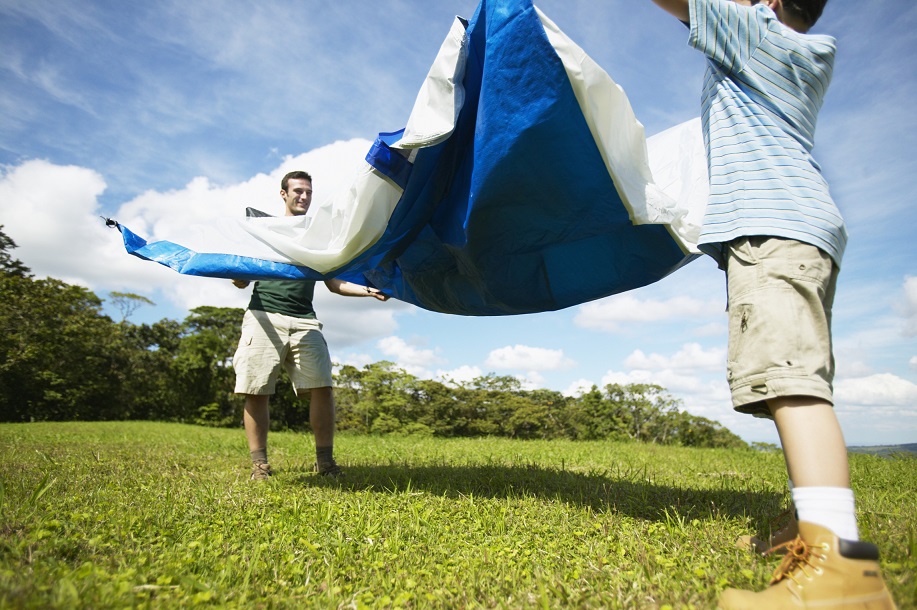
{"type": "Point", "coordinates": [798, 14]}
{"type": "Point", "coordinates": [807, 11]}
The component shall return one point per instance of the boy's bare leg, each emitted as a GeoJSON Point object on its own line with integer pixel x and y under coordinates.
{"type": "Point", "coordinates": [847, 575]}
{"type": "Point", "coordinates": [813, 443]}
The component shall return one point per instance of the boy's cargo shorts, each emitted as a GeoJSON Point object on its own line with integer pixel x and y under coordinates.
{"type": "Point", "coordinates": [271, 341]}
{"type": "Point", "coordinates": [780, 296]}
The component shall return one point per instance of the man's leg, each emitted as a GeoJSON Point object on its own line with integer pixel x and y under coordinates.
{"type": "Point", "coordinates": [321, 417]}
{"type": "Point", "coordinates": [256, 417]}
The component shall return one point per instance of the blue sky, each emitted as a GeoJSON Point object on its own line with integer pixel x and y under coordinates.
{"type": "Point", "coordinates": [165, 113]}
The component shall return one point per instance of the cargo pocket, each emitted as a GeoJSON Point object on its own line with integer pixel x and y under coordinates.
{"type": "Point", "coordinates": [740, 316]}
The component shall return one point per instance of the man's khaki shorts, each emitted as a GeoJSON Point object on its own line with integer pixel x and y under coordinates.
{"type": "Point", "coordinates": [271, 341]}
{"type": "Point", "coordinates": [780, 296]}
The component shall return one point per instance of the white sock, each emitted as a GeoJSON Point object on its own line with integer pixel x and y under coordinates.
{"type": "Point", "coordinates": [830, 507]}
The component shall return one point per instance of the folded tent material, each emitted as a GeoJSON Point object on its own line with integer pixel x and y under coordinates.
{"type": "Point", "coordinates": [520, 183]}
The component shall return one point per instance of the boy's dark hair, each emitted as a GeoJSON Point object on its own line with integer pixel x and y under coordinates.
{"type": "Point", "coordinates": [297, 175]}
{"type": "Point", "coordinates": [807, 10]}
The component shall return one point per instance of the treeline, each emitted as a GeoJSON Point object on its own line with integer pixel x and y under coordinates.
{"type": "Point", "coordinates": [62, 359]}
{"type": "Point", "coordinates": [380, 399]}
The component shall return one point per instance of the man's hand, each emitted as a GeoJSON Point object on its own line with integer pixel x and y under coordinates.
{"type": "Point", "coordinates": [240, 283]}
{"type": "Point", "coordinates": [376, 293]}
{"type": "Point", "coordinates": [349, 289]}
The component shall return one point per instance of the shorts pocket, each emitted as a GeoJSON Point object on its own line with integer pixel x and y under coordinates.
{"type": "Point", "coordinates": [763, 335]}
{"type": "Point", "coordinates": [739, 316]}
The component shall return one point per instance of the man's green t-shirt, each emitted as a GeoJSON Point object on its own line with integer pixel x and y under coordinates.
{"type": "Point", "coordinates": [287, 297]}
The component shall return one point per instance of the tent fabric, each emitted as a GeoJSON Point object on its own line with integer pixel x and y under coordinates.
{"type": "Point", "coordinates": [521, 183]}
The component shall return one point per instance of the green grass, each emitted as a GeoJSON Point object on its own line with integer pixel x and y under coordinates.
{"type": "Point", "coordinates": [136, 514]}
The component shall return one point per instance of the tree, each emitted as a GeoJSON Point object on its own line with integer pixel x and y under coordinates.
{"type": "Point", "coordinates": [62, 359]}
{"type": "Point", "coordinates": [525, 418]}
{"type": "Point", "coordinates": [441, 408]}
{"type": "Point", "coordinates": [149, 390]}
{"type": "Point", "coordinates": [58, 354]}
{"type": "Point", "coordinates": [384, 390]}
{"type": "Point", "coordinates": [8, 264]}
{"type": "Point", "coordinates": [593, 416]}
{"type": "Point", "coordinates": [703, 432]}
{"type": "Point", "coordinates": [128, 302]}
{"type": "Point", "coordinates": [642, 405]}
{"type": "Point", "coordinates": [203, 363]}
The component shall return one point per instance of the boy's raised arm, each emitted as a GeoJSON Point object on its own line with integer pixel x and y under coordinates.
{"type": "Point", "coordinates": [678, 8]}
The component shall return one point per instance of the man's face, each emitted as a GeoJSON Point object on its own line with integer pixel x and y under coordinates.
{"type": "Point", "coordinates": [297, 197]}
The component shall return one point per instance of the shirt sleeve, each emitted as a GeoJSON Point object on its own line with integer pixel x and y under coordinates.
{"type": "Point", "coordinates": [726, 32]}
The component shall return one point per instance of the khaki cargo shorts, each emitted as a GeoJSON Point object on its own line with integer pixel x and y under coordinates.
{"type": "Point", "coordinates": [780, 296]}
{"type": "Point", "coordinates": [271, 342]}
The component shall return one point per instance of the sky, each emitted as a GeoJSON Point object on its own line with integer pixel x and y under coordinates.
{"type": "Point", "coordinates": [166, 112]}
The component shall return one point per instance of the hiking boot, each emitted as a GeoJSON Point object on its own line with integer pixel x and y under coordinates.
{"type": "Point", "coordinates": [783, 534]}
{"type": "Point", "coordinates": [328, 469]}
{"type": "Point", "coordinates": [821, 571]}
{"type": "Point", "coordinates": [261, 472]}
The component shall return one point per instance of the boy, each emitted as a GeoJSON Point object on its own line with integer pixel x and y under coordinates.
{"type": "Point", "coordinates": [772, 226]}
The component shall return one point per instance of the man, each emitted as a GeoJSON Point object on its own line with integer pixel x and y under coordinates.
{"type": "Point", "coordinates": [280, 330]}
{"type": "Point", "coordinates": [772, 225]}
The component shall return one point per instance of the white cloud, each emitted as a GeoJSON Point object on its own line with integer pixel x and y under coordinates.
{"type": "Point", "coordinates": [691, 357]}
{"type": "Point", "coordinates": [913, 362]}
{"type": "Point", "coordinates": [579, 387]}
{"type": "Point", "coordinates": [187, 216]}
{"type": "Point", "coordinates": [608, 314]}
{"type": "Point", "coordinates": [878, 409]}
{"type": "Point", "coordinates": [460, 375]}
{"type": "Point", "coordinates": [882, 390]}
{"type": "Point", "coordinates": [849, 360]}
{"type": "Point", "coordinates": [714, 329]}
{"type": "Point", "coordinates": [355, 360]}
{"type": "Point", "coordinates": [531, 380]}
{"type": "Point", "coordinates": [528, 358]}
{"type": "Point", "coordinates": [52, 213]}
{"type": "Point", "coordinates": [353, 321]}
{"type": "Point", "coordinates": [411, 357]}
{"type": "Point", "coordinates": [674, 382]}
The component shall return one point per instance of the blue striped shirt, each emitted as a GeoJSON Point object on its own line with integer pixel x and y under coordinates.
{"type": "Point", "coordinates": [763, 88]}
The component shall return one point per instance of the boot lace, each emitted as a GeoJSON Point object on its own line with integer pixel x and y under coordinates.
{"type": "Point", "coordinates": [799, 560]}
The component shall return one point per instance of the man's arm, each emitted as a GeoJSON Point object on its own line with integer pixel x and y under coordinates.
{"type": "Point", "coordinates": [678, 8]}
{"type": "Point", "coordinates": [348, 289]}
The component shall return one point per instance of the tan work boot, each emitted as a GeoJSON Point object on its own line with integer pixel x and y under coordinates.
{"type": "Point", "coordinates": [778, 537]}
{"type": "Point", "coordinates": [819, 571]}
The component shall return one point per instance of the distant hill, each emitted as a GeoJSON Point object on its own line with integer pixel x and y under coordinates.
{"type": "Point", "coordinates": [885, 449]}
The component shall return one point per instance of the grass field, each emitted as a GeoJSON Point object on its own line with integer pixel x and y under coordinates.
{"type": "Point", "coordinates": [138, 514]}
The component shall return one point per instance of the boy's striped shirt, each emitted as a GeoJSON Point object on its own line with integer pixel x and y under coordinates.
{"type": "Point", "coordinates": [763, 88]}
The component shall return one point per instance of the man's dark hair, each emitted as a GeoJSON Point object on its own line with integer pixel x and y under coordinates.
{"type": "Point", "coordinates": [297, 175]}
{"type": "Point", "coordinates": [806, 10]}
